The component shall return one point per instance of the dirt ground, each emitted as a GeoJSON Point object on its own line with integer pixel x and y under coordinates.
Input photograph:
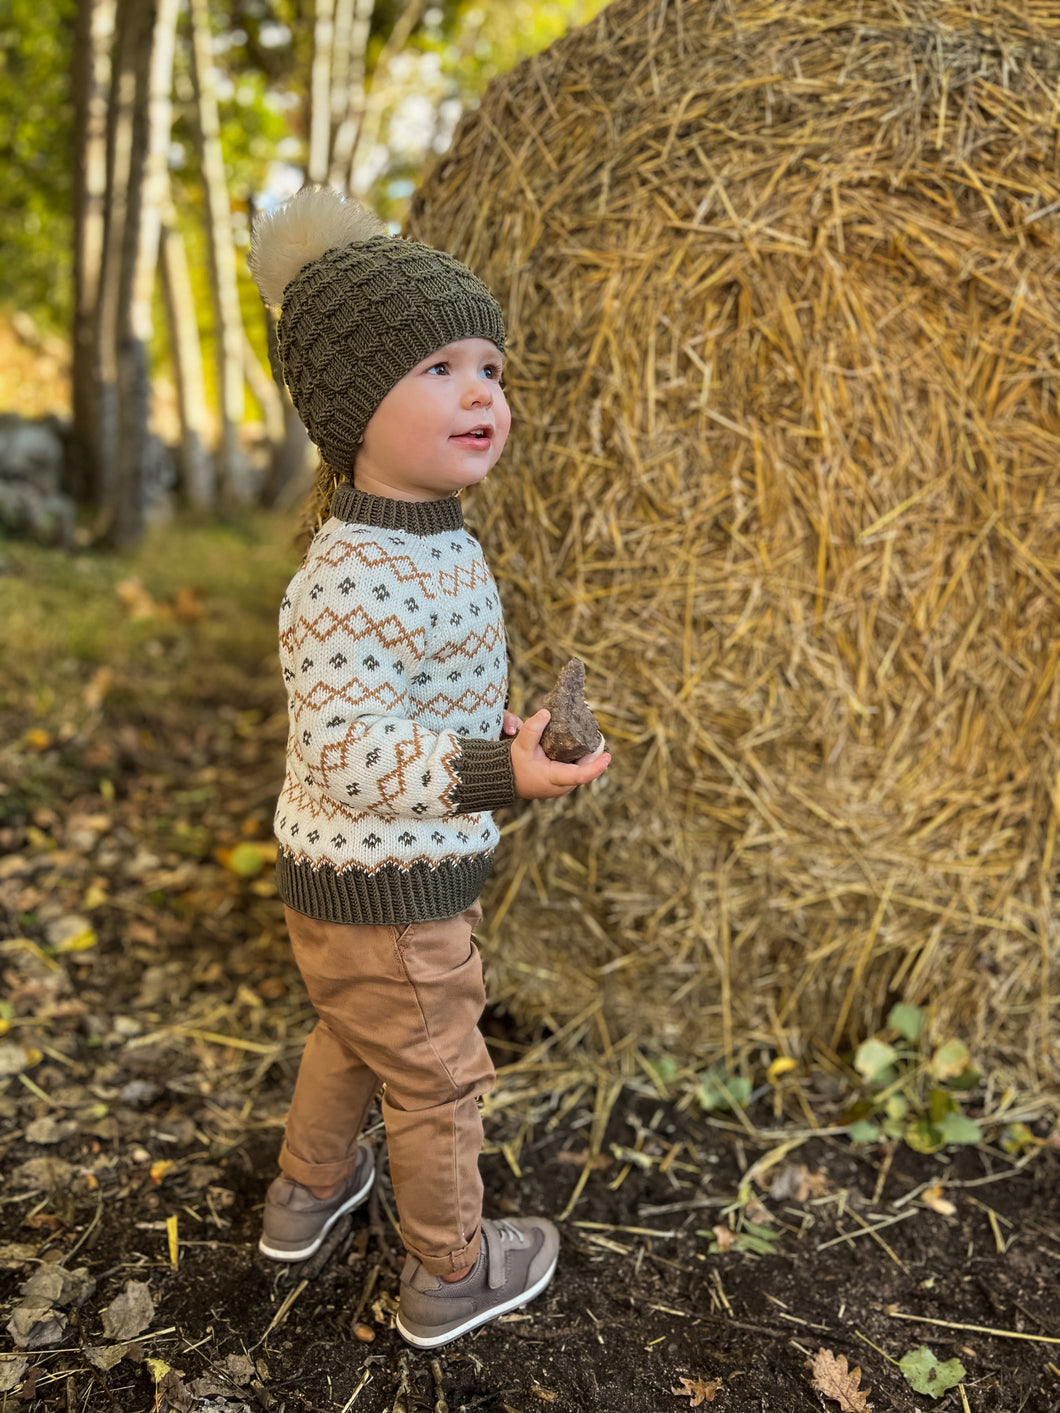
{"type": "Point", "coordinates": [150, 1027]}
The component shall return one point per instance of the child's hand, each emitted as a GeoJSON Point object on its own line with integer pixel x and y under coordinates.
{"type": "Point", "coordinates": [512, 724]}
{"type": "Point", "coordinates": [537, 777]}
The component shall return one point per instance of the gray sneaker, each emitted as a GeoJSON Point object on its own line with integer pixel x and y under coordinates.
{"type": "Point", "coordinates": [296, 1222]}
{"type": "Point", "coordinates": [515, 1264]}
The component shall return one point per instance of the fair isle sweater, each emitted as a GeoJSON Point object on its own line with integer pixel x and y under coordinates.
{"type": "Point", "coordinates": [393, 655]}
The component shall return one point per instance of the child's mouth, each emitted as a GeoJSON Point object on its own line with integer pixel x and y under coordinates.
{"type": "Point", "coordinates": [474, 436]}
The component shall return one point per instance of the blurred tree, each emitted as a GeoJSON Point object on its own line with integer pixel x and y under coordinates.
{"type": "Point", "coordinates": [92, 400]}
{"type": "Point", "coordinates": [265, 94]}
{"type": "Point", "coordinates": [228, 319]}
{"type": "Point", "coordinates": [36, 127]}
{"type": "Point", "coordinates": [138, 143]}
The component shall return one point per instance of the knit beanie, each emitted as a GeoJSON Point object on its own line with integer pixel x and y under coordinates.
{"type": "Point", "coordinates": [359, 309]}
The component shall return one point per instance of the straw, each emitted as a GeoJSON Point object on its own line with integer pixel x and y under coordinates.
{"type": "Point", "coordinates": [782, 284]}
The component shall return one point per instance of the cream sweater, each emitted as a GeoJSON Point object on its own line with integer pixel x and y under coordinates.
{"type": "Point", "coordinates": [393, 655]}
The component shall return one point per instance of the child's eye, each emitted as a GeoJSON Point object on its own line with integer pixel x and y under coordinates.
{"type": "Point", "coordinates": [494, 371]}
{"type": "Point", "coordinates": [438, 367]}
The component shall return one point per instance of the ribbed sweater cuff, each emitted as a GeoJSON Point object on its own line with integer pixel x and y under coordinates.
{"type": "Point", "coordinates": [486, 777]}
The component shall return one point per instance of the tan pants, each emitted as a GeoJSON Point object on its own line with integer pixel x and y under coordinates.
{"type": "Point", "coordinates": [397, 1005]}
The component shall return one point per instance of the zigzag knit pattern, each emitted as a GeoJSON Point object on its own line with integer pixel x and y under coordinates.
{"type": "Point", "coordinates": [393, 655]}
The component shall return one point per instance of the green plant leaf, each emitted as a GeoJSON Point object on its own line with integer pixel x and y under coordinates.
{"type": "Point", "coordinates": [950, 1060]}
{"type": "Point", "coordinates": [959, 1128]}
{"type": "Point", "coordinates": [873, 1057]}
{"type": "Point", "coordinates": [863, 1131]}
{"type": "Point", "coordinates": [940, 1103]}
{"type": "Point", "coordinates": [1016, 1137]}
{"type": "Point", "coordinates": [907, 1020]}
{"type": "Point", "coordinates": [718, 1090]}
{"type": "Point", "coordinates": [967, 1079]}
{"type": "Point", "coordinates": [923, 1136]}
{"type": "Point", "coordinates": [897, 1106]}
{"type": "Point", "coordinates": [924, 1373]}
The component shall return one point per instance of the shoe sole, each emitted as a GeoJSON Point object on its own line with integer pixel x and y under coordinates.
{"type": "Point", "coordinates": [523, 1298]}
{"type": "Point", "coordinates": [306, 1251]}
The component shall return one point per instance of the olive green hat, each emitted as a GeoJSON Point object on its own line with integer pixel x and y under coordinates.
{"type": "Point", "coordinates": [359, 309]}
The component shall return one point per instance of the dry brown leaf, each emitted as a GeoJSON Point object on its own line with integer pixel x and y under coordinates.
{"type": "Point", "coordinates": [797, 1183]}
{"type": "Point", "coordinates": [834, 1379]}
{"type": "Point", "coordinates": [932, 1197]}
{"type": "Point", "coordinates": [724, 1237]}
{"type": "Point", "coordinates": [697, 1390]}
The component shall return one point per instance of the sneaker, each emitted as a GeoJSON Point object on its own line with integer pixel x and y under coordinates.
{"type": "Point", "coordinates": [296, 1222]}
{"type": "Point", "coordinates": [515, 1264]}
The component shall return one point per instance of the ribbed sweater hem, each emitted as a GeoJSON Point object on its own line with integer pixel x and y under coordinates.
{"type": "Point", "coordinates": [390, 896]}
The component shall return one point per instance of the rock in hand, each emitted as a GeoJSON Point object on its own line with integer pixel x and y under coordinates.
{"type": "Point", "coordinates": [572, 731]}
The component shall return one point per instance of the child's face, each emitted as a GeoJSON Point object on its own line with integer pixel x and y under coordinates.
{"type": "Point", "coordinates": [440, 429]}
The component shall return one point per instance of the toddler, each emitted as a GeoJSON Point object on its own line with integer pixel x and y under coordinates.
{"type": "Point", "coordinates": [393, 655]}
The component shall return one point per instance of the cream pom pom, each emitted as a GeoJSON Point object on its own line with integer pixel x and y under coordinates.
{"type": "Point", "coordinates": [313, 221]}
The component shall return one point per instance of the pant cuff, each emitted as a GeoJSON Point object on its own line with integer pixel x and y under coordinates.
{"type": "Point", "coordinates": [465, 1255]}
{"type": "Point", "coordinates": [317, 1174]}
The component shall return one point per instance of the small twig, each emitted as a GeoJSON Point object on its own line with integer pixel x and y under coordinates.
{"type": "Point", "coordinates": [366, 1378]}
{"type": "Point", "coordinates": [865, 1231]}
{"type": "Point", "coordinates": [971, 1182]}
{"type": "Point", "coordinates": [281, 1313]}
{"type": "Point", "coordinates": [976, 1329]}
{"type": "Point", "coordinates": [366, 1293]}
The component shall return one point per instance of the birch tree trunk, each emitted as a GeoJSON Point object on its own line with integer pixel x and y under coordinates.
{"type": "Point", "coordinates": [228, 319]}
{"type": "Point", "coordinates": [91, 86]}
{"type": "Point", "coordinates": [320, 93]}
{"type": "Point", "coordinates": [196, 478]}
{"type": "Point", "coordinates": [148, 37]}
{"type": "Point", "coordinates": [353, 24]}
{"type": "Point", "coordinates": [371, 120]}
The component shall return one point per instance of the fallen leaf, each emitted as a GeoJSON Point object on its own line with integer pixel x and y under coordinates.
{"type": "Point", "coordinates": [105, 1356]}
{"type": "Point", "coordinates": [796, 1183]}
{"type": "Point", "coordinates": [12, 1367]}
{"type": "Point", "coordinates": [187, 605]}
{"type": "Point", "coordinates": [932, 1197]}
{"type": "Point", "coordinates": [697, 1391]}
{"type": "Point", "coordinates": [43, 1174]}
{"type": "Point", "coordinates": [544, 1394]}
{"type": "Point", "coordinates": [55, 1285]}
{"type": "Point", "coordinates": [835, 1380]}
{"type": "Point", "coordinates": [130, 1313]}
{"type": "Point", "coordinates": [782, 1065]}
{"type": "Point", "coordinates": [49, 1129]}
{"type": "Point", "coordinates": [924, 1373]}
{"type": "Point", "coordinates": [32, 1327]}
{"type": "Point", "coordinates": [16, 1253]}
{"type": "Point", "coordinates": [137, 601]}
{"type": "Point", "coordinates": [724, 1237]}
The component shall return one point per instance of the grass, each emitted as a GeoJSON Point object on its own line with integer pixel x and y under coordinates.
{"type": "Point", "coordinates": [194, 607]}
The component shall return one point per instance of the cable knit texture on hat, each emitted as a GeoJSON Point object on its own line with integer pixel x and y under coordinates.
{"type": "Point", "coordinates": [359, 316]}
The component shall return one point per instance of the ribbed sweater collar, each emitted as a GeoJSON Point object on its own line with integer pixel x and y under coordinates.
{"type": "Point", "coordinates": [417, 517]}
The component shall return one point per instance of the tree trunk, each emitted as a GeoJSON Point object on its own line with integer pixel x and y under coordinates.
{"type": "Point", "coordinates": [195, 467]}
{"type": "Point", "coordinates": [91, 87]}
{"type": "Point", "coordinates": [146, 44]}
{"type": "Point", "coordinates": [287, 477]}
{"type": "Point", "coordinates": [353, 23]}
{"type": "Point", "coordinates": [320, 92]}
{"type": "Point", "coordinates": [371, 122]}
{"type": "Point", "coordinates": [228, 319]}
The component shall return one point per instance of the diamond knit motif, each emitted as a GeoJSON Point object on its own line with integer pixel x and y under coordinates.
{"type": "Point", "coordinates": [385, 814]}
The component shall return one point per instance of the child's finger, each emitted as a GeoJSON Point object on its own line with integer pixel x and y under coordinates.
{"type": "Point", "coordinates": [533, 729]}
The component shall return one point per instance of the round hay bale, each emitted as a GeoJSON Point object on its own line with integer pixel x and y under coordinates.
{"type": "Point", "coordinates": [782, 286]}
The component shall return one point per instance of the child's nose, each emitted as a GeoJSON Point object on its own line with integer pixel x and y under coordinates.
{"type": "Point", "coordinates": [478, 393]}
